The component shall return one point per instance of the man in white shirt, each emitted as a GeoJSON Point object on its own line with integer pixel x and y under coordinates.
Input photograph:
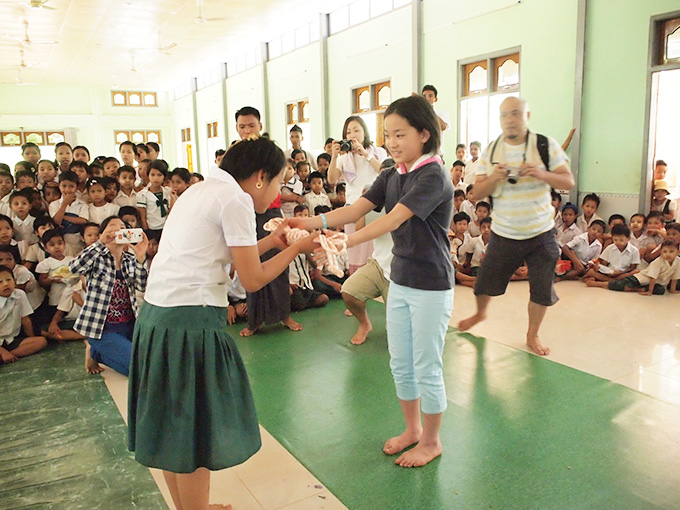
{"type": "Point", "coordinates": [430, 93]}
{"type": "Point", "coordinates": [512, 171]}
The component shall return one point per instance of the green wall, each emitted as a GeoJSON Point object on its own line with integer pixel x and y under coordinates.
{"type": "Point", "coordinates": [545, 32]}
{"type": "Point", "coordinates": [615, 81]}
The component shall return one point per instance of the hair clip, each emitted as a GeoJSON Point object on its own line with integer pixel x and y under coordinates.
{"type": "Point", "coordinates": [252, 136]}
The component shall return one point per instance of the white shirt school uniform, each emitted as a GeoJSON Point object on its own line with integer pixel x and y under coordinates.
{"type": "Point", "coordinates": [83, 196]}
{"type": "Point", "coordinates": [461, 247]}
{"type": "Point", "coordinates": [585, 250]}
{"type": "Point", "coordinates": [620, 260]}
{"type": "Point", "coordinates": [147, 200]}
{"type": "Point", "coordinates": [474, 230]}
{"type": "Point", "coordinates": [194, 254]}
{"type": "Point", "coordinates": [23, 229]}
{"type": "Point", "coordinates": [642, 241]}
{"type": "Point", "coordinates": [293, 186]}
{"type": "Point", "coordinates": [470, 173]}
{"type": "Point", "coordinates": [565, 235]}
{"type": "Point", "coordinates": [35, 254]}
{"type": "Point", "coordinates": [49, 265]}
{"type": "Point", "coordinates": [123, 200]}
{"type": "Point", "coordinates": [78, 207]}
{"type": "Point", "coordinates": [4, 205]}
{"type": "Point", "coordinates": [34, 292]}
{"type": "Point", "coordinates": [12, 310]}
{"type": "Point", "coordinates": [661, 270]}
{"type": "Point", "coordinates": [67, 304]}
{"type": "Point", "coordinates": [235, 291]}
{"type": "Point", "coordinates": [100, 213]}
{"type": "Point", "coordinates": [382, 246]}
{"type": "Point", "coordinates": [469, 208]}
{"type": "Point", "coordinates": [559, 221]}
{"type": "Point", "coordinates": [582, 224]}
{"type": "Point", "coordinates": [313, 200]}
{"type": "Point", "coordinates": [478, 251]}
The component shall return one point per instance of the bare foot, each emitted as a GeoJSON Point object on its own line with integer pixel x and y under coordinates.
{"type": "Point", "coordinates": [361, 334]}
{"type": "Point", "coordinates": [420, 455]}
{"type": "Point", "coordinates": [218, 506]}
{"type": "Point", "coordinates": [348, 313]}
{"type": "Point", "coordinates": [401, 442]}
{"type": "Point", "coordinates": [91, 365]}
{"type": "Point", "coordinates": [468, 323]}
{"type": "Point", "coordinates": [291, 324]}
{"type": "Point", "coordinates": [535, 345]}
{"type": "Point", "coordinates": [249, 332]}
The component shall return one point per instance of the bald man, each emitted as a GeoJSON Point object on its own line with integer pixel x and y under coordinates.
{"type": "Point", "coordinates": [512, 172]}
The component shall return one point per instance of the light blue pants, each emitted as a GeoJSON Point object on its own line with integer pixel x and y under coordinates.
{"type": "Point", "coordinates": [417, 321]}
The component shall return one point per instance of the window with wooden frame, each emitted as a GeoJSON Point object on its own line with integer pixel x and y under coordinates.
{"type": "Point", "coordinates": [212, 129]}
{"type": "Point", "coordinates": [137, 136]}
{"type": "Point", "coordinates": [40, 138]}
{"type": "Point", "coordinates": [362, 99]}
{"type": "Point", "coordinates": [127, 98]}
{"type": "Point", "coordinates": [369, 102]}
{"type": "Point", "coordinates": [298, 114]}
{"type": "Point", "coordinates": [186, 134]}
{"type": "Point", "coordinates": [668, 41]}
{"type": "Point", "coordinates": [485, 83]}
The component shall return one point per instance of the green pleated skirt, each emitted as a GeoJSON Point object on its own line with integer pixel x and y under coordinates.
{"type": "Point", "coordinates": [189, 400]}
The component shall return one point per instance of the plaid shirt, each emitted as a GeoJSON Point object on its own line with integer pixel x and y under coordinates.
{"type": "Point", "coordinates": [98, 265]}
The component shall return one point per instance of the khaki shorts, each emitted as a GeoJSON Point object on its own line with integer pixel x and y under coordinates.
{"type": "Point", "coordinates": [368, 282]}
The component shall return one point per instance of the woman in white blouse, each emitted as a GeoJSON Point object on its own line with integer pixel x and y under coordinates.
{"type": "Point", "coordinates": [190, 404]}
{"type": "Point", "coordinates": [358, 168]}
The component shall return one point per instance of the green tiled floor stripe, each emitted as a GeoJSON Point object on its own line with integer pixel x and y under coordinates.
{"type": "Point", "coordinates": [63, 443]}
{"type": "Point", "coordinates": [520, 432]}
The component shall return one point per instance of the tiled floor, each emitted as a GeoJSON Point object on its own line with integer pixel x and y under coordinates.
{"type": "Point", "coordinates": [630, 339]}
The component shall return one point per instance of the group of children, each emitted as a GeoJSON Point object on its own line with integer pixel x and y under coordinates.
{"type": "Point", "coordinates": [640, 256]}
{"type": "Point", "coordinates": [50, 211]}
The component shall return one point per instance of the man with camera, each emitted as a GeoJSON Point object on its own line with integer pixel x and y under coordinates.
{"type": "Point", "coordinates": [513, 172]}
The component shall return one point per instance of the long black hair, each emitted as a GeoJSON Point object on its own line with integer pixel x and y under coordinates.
{"type": "Point", "coordinates": [419, 114]}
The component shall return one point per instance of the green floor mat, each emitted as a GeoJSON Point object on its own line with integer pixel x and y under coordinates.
{"type": "Point", "coordinates": [520, 432]}
{"type": "Point", "coordinates": [63, 443]}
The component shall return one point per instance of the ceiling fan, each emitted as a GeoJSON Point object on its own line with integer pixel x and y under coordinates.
{"type": "Point", "coordinates": [26, 41]}
{"type": "Point", "coordinates": [200, 19]}
{"type": "Point", "coordinates": [34, 4]}
{"type": "Point", "coordinates": [23, 65]}
{"type": "Point", "coordinates": [164, 49]}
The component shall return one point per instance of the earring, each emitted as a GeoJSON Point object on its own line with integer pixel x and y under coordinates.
{"type": "Point", "coordinates": [259, 185]}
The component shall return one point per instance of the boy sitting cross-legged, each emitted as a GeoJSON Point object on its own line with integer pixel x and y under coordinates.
{"type": "Point", "coordinates": [618, 260]}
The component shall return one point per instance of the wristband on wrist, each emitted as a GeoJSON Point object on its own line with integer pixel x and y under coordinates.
{"type": "Point", "coordinates": [369, 157]}
{"type": "Point", "coordinates": [324, 222]}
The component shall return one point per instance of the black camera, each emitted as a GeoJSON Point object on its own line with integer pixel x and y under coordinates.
{"type": "Point", "coordinates": [345, 145]}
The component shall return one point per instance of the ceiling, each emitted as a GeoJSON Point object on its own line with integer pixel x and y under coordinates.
{"type": "Point", "coordinates": [100, 42]}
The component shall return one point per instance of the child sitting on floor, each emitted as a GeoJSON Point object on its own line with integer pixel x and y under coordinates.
{"type": "Point", "coordinates": [614, 219]}
{"type": "Point", "coordinates": [582, 249]}
{"type": "Point", "coordinates": [461, 245]}
{"type": "Point", "coordinates": [51, 270]}
{"type": "Point", "coordinates": [316, 196]}
{"type": "Point", "coordinates": [20, 205]}
{"type": "Point", "coordinates": [567, 230]}
{"type": "Point", "coordinates": [556, 202]}
{"type": "Point", "coordinates": [482, 210]}
{"type": "Point", "coordinates": [458, 199]}
{"type": "Point", "coordinates": [589, 206]}
{"type": "Point", "coordinates": [656, 231]}
{"type": "Point", "coordinates": [61, 326]}
{"type": "Point", "coordinates": [652, 280]}
{"type": "Point", "coordinates": [468, 205]}
{"type": "Point", "coordinates": [618, 260]}
{"type": "Point", "coordinates": [479, 245]}
{"type": "Point", "coordinates": [302, 293]}
{"type": "Point", "coordinates": [15, 312]}
{"type": "Point", "coordinates": [638, 236]}
{"type": "Point", "coordinates": [36, 252]}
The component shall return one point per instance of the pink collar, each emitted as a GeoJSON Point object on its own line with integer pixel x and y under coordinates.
{"type": "Point", "coordinates": [421, 161]}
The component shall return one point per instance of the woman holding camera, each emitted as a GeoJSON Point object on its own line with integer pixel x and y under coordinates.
{"type": "Point", "coordinates": [356, 161]}
{"type": "Point", "coordinates": [114, 272]}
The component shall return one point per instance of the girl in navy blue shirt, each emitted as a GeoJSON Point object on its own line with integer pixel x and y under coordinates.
{"type": "Point", "coordinates": [417, 195]}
